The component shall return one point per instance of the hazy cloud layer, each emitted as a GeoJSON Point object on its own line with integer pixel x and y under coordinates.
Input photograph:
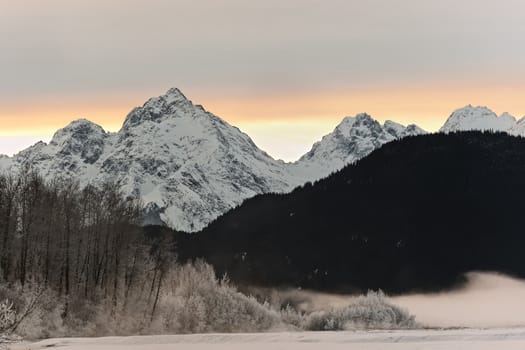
{"type": "Point", "coordinates": [250, 62]}
{"type": "Point", "coordinates": [71, 47]}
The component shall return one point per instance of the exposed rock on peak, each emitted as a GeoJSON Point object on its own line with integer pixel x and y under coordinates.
{"type": "Point", "coordinates": [172, 103]}
{"type": "Point", "coordinates": [82, 138]}
{"type": "Point", "coordinates": [394, 128]}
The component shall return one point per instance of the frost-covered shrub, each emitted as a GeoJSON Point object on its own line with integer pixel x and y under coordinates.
{"type": "Point", "coordinates": [374, 311]}
{"type": "Point", "coordinates": [324, 321]}
{"type": "Point", "coordinates": [291, 317]}
{"type": "Point", "coordinates": [190, 299]}
{"type": "Point", "coordinates": [202, 303]}
{"type": "Point", "coordinates": [7, 315]}
{"type": "Point", "coordinates": [38, 310]}
{"type": "Point", "coordinates": [370, 311]}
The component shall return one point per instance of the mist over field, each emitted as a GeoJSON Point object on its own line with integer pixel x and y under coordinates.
{"type": "Point", "coordinates": [487, 300]}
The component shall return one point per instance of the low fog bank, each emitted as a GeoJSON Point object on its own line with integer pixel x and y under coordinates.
{"type": "Point", "coordinates": [487, 300]}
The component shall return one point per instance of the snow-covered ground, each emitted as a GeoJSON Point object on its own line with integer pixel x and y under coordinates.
{"type": "Point", "coordinates": [487, 313]}
{"type": "Point", "coordinates": [458, 339]}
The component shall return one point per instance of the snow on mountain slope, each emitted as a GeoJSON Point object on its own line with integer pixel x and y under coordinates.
{"type": "Point", "coordinates": [477, 118]}
{"type": "Point", "coordinates": [188, 165]}
{"type": "Point", "coordinates": [518, 129]}
{"type": "Point", "coordinates": [353, 139]}
{"type": "Point", "coordinates": [76, 150]}
{"type": "Point", "coordinates": [5, 162]}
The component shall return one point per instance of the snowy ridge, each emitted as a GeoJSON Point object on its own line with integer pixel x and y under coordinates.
{"type": "Point", "coordinates": [188, 165]}
{"type": "Point", "coordinates": [481, 118]}
{"type": "Point", "coordinates": [353, 139]}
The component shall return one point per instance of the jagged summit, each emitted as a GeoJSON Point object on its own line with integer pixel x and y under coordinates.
{"type": "Point", "coordinates": [175, 93]}
{"type": "Point", "coordinates": [172, 103]}
{"type": "Point", "coordinates": [353, 139]}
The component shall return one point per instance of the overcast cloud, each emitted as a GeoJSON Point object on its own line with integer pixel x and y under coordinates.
{"type": "Point", "coordinates": [73, 47]}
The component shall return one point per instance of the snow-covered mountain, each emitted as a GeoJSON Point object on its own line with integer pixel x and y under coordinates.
{"type": "Point", "coordinates": [481, 118]}
{"type": "Point", "coordinates": [353, 139]}
{"type": "Point", "coordinates": [188, 165]}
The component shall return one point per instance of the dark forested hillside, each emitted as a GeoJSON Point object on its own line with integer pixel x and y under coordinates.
{"type": "Point", "coordinates": [414, 215]}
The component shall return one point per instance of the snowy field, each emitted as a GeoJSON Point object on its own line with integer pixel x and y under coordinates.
{"type": "Point", "coordinates": [458, 339]}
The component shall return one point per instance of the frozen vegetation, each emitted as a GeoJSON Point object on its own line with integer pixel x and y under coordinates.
{"type": "Point", "coordinates": [192, 300]}
{"type": "Point", "coordinates": [372, 311]}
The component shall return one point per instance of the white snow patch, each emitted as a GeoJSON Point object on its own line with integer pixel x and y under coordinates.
{"type": "Point", "coordinates": [458, 339]}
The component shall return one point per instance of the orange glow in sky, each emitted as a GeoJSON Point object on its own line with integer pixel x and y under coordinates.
{"type": "Point", "coordinates": [284, 125]}
{"type": "Point", "coordinates": [285, 72]}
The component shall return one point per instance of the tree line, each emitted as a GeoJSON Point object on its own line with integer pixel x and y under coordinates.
{"type": "Point", "coordinates": [82, 243]}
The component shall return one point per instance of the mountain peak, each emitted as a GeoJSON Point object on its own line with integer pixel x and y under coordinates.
{"type": "Point", "coordinates": [80, 129]}
{"type": "Point", "coordinates": [477, 118]}
{"type": "Point", "coordinates": [81, 123]}
{"type": "Point", "coordinates": [473, 109]}
{"type": "Point", "coordinates": [174, 95]}
{"type": "Point", "coordinates": [413, 129]}
{"type": "Point", "coordinates": [80, 137]}
{"type": "Point", "coordinates": [363, 116]}
{"type": "Point", "coordinates": [346, 123]}
{"type": "Point", "coordinates": [394, 128]}
{"type": "Point", "coordinates": [351, 123]}
{"type": "Point", "coordinates": [507, 117]}
{"type": "Point", "coordinates": [353, 139]}
{"type": "Point", "coordinates": [157, 108]}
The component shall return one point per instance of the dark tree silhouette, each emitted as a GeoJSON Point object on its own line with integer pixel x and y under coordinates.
{"type": "Point", "coordinates": [414, 215]}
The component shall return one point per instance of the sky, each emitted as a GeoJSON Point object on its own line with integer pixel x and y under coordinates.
{"type": "Point", "coordinates": [284, 71]}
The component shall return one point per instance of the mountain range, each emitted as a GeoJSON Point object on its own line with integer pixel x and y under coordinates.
{"type": "Point", "coordinates": [190, 166]}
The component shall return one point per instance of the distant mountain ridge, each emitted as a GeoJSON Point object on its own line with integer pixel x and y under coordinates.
{"type": "Point", "coordinates": [186, 164]}
{"type": "Point", "coordinates": [190, 166]}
